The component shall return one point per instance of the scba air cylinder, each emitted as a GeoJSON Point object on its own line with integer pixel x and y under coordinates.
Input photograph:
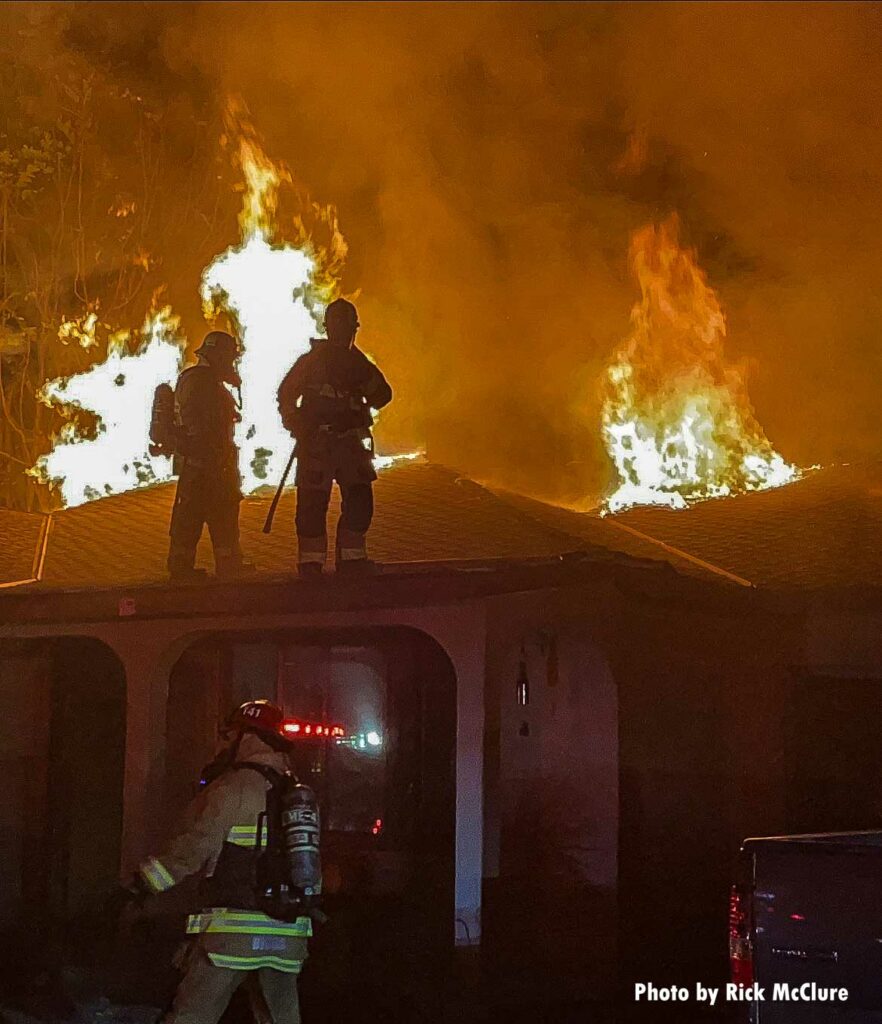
{"type": "Point", "coordinates": [301, 831]}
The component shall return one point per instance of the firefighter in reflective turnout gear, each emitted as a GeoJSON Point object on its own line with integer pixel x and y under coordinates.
{"type": "Point", "coordinates": [325, 402]}
{"type": "Point", "coordinates": [207, 462]}
{"type": "Point", "coordinates": [231, 938]}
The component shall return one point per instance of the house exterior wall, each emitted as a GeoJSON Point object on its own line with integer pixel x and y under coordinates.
{"type": "Point", "coordinates": [655, 724]}
{"type": "Point", "coordinates": [767, 658]}
{"type": "Point", "coordinates": [696, 688]}
{"type": "Point", "coordinates": [61, 760]}
{"type": "Point", "coordinates": [840, 639]}
{"type": "Point", "coordinates": [705, 695]}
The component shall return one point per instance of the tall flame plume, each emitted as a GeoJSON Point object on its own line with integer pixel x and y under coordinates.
{"type": "Point", "coordinates": [677, 421]}
{"type": "Point", "coordinates": [275, 293]}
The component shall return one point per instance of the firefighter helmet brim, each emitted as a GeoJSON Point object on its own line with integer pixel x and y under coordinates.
{"type": "Point", "coordinates": [262, 717]}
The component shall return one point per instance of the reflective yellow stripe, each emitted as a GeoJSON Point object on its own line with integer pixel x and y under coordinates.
{"type": "Point", "coordinates": [312, 556]}
{"type": "Point", "coordinates": [156, 875]}
{"type": "Point", "coordinates": [233, 922]}
{"type": "Point", "coordinates": [244, 835]}
{"type": "Point", "coordinates": [197, 923]}
{"type": "Point", "coordinates": [352, 554]}
{"type": "Point", "coordinates": [247, 963]}
{"type": "Point", "coordinates": [218, 928]}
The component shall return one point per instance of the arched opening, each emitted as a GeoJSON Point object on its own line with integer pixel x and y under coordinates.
{"type": "Point", "coordinates": [62, 749]}
{"type": "Point", "coordinates": [386, 790]}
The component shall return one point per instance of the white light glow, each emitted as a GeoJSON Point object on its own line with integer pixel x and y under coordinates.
{"type": "Point", "coordinates": [119, 391]}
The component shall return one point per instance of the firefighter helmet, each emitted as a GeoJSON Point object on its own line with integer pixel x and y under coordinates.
{"type": "Point", "coordinates": [258, 716]}
{"type": "Point", "coordinates": [341, 318]}
{"type": "Point", "coordinates": [218, 346]}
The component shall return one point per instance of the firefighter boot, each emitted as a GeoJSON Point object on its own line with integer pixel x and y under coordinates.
{"type": "Point", "coordinates": [180, 565]}
{"type": "Point", "coordinates": [311, 551]}
{"type": "Point", "coordinates": [310, 570]}
{"type": "Point", "coordinates": [232, 567]}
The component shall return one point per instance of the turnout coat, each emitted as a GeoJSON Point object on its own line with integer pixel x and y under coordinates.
{"type": "Point", "coordinates": [218, 833]}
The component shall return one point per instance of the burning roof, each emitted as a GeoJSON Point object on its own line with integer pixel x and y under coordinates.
{"type": "Point", "coordinates": [677, 420]}
{"type": "Point", "coordinates": [426, 515]}
{"type": "Point", "coordinates": [820, 533]}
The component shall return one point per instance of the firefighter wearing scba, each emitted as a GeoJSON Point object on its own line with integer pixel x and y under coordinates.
{"type": "Point", "coordinates": [231, 937]}
{"type": "Point", "coordinates": [325, 402]}
{"type": "Point", "coordinates": [209, 488]}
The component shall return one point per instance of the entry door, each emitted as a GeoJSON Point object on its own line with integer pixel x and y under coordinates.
{"type": "Point", "coordinates": [833, 755]}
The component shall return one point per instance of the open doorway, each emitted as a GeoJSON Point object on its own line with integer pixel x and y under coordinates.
{"type": "Point", "coordinates": [385, 788]}
{"type": "Point", "coordinates": [62, 749]}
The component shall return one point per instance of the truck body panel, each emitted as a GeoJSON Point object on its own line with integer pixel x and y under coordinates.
{"type": "Point", "coordinates": [814, 916]}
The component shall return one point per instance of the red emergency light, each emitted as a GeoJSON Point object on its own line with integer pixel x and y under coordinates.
{"type": "Point", "coordinates": [296, 727]}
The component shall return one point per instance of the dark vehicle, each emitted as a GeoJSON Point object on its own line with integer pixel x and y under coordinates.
{"type": "Point", "coordinates": [805, 928]}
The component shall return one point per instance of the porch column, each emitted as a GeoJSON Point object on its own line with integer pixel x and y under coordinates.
{"type": "Point", "coordinates": [147, 651]}
{"type": "Point", "coordinates": [463, 635]}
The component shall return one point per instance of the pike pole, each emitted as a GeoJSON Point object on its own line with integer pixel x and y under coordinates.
{"type": "Point", "coordinates": [271, 514]}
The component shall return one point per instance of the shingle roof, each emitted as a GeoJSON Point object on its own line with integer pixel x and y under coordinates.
{"type": "Point", "coordinates": [424, 514]}
{"type": "Point", "coordinates": [823, 531]}
{"type": "Point", "coordinates": [607, 533]}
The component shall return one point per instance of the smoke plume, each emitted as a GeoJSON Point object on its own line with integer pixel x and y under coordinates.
{"type": "Point", "coordinates": [489, 163]}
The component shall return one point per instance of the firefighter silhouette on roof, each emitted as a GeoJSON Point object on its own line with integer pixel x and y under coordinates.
{"type": "Point", "coordinates": [326, 402]}
{"type": "Point", "coordinates": [207, 461]}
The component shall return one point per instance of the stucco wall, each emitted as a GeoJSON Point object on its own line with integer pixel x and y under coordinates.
{"type": "Point", "coordinates": [552, 805]}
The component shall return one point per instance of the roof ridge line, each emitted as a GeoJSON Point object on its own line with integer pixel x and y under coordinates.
{"type": "Point", "coordinates": [724, 573]}
{"type": "Point", "coordinates": [528, 517]}
{"type": "Point", "coordinates": [589, 545]}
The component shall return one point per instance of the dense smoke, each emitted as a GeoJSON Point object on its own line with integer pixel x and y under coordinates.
{"type": "Point", "coordinates": [489, 162]}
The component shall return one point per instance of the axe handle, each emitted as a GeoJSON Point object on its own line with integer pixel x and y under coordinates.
{"type": "Point", "coordinates": [271, 514]}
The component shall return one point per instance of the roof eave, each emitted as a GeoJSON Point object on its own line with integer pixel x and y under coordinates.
{"type": "Point", "coordinates": [403, 585]}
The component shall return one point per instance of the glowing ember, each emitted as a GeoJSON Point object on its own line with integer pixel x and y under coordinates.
{"type": "Point", "coordinates": [119, 391]}
{"type": "Point", "coordinates": [82, 330]}
{"type": "Point", "coordinates": [269, 290]}
{"type": "Point", "coordinates": [677, 421]}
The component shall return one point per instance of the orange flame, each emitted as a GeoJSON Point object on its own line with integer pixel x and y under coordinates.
{"type": "Point", "coordinates": [677, 421]}
{"type": "Point", "coordinates": [272, 289]}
